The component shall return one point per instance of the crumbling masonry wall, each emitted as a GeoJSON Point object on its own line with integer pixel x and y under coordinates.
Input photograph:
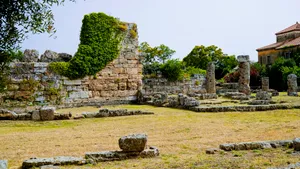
{"type": "Point", "coordinates": [32, 83]}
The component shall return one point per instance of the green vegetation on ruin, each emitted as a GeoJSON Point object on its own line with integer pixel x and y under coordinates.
{"type": "Point", "coordinates": [100, 39]}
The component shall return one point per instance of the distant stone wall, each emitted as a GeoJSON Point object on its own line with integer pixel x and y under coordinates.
{"type": "Point", "coordinates": [155, 85]}
{"type": "Point", "coordinates": [32, 83]}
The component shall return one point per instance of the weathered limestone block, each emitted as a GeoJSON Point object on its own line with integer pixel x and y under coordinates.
{"type": "Point", "coordinates": [210, 78]}
{"type": "Point", "coordinates": [3, 164]}
{"type": "Point", "coordinates": [185, 101]}
{"type": "Point", "coordinates": [49, 56]}
{"type": "Point", "coordinates": [30, 56]}
{"type": "Point", "coordinates": [49, 167]}
{"type": "Point", "coordinates": [159, 99]}
{"type": "Point", "coordinates": [263, 95]}
{"type": "Point", "coordinates": [72, 82]}
{"type": "Point", "coordinates": [121, 155]}
{"type": "Point", "coordinates": [133, 143]}
{"type": "Point", "coordinates": [122, 86]}
{"type": "Point", "coordinates": [212, 151]}
{"type": "Point", "coordinates": [265, 84]}
{"type": "Point", "coordinates": [292, 85]}
{"type": "Point", "coordinates": [36, 115]}
{"type": "Point", "coordinates": [64, 57]}
{"type": "Point", "coordinates": [296, 144]}
{"type": "Point", "coordinates": [7, 115]}
{"type": "Point", "coordinates": [244, 72]}
{"type": "Point", "coordinates": [79, 95]}
{"type": "Point", "coordinates": [47, 113]}
{"type": "Point", "coordinates": [37, 162]}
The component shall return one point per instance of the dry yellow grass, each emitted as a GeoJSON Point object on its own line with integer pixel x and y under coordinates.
{"type": "Point", "coordinates": [182, 137]}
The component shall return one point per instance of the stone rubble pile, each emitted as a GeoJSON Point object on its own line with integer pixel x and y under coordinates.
{"type": "Point", "coordinates": [132, 146]}
{"type": "Point", "coordinates": [262, 145]}
{"type": "Point", "coordinates": [49, 114]}
{"type": "Point", "coordinates": [162, 99]}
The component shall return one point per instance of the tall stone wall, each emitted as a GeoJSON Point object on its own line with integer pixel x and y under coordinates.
{"type": "Point", "coordinates": [194, 85]}
{"type": "Point", "coordinates": [32, 83]}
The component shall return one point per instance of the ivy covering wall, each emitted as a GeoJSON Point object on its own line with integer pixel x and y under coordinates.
{"type": "Point", "coordinates": [100, 39]}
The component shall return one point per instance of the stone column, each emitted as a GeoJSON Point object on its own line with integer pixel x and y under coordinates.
{"type": "Point", "coordinates": [265, 84]}
{"type": "Point", "coordinates": [244, 71]}
{"type": "Point", "coordinates": [292, 85]}
{"type": "Point", "coordinates": [210, 78]}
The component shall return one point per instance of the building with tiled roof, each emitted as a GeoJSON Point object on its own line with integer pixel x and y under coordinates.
{"type": "Point", "coordinates": [287, 44]}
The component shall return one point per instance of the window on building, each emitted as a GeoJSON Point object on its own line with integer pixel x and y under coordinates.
{"type": "Point", "coordinates": [268, 59]}
{"type": "Point", "coordinates": [287, 55]}
{"type": "Point", "coordinates": [261, 60]}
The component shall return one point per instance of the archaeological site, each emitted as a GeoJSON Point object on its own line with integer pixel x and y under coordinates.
{"type": "Point", "coordinates": [118, 102]}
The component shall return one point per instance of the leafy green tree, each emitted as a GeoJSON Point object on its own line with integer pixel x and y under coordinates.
{"type": "Point", "coordinates": [172, 70]}
{"type": "Point", "coordinates": [163, 53]}
{"type": "Point", "coordinates": [21, 17]}
{"type": "Point", "coordinates": [147, 52]}
{"type": "Point", "coordinates": [275, 73]}
{"type": "Point", "coordinates": [200, 56]}
{"type": "Point", "coordinates": [224, 65]}
{"type": "Point", "coordinates": [18, 18]}
{"type": "Point", "coordinates": [160, 53]}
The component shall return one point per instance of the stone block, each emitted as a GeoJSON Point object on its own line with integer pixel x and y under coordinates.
{"type": "Point", "coordinates": [79, 95]}
{"type": "Point", "coordinates": [36, 115]}
{"type": "Point", "coordinates": [72, 82]}
{"type": "Point", "coordinates": [296, 144]}
{"type": "Point", "coordinates": [38, 162]}
{"type": "Point", "coordinates": [40, 65]}
{"type": "Point", "coordinates": [49, 56]}
{"type": "Point", "coordinates": [3, 164]}
{"type": "Point", "coordinates": [243, 58]}
{"type": "Point", "coordinates": [49, 167]}
{"type": "Point", "coordinates": [30, 56]}
{"type": "Point", "coordinates": [133, 143]}
{"type": "Point", "coordinates": [47, 113]}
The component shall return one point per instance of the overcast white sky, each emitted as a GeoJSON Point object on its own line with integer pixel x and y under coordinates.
{"type": "Point", "coordinates": [236, 26]}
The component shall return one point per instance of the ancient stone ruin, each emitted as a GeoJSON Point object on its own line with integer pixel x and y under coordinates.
{"type": "Point", "coordinates": [292, 85]}
{"type": "Point", "coordinates": [33, 83]}
{"type": "Point", "coordinates": [244, 72]}
{"type": "Point", "coordinates": [210, 78]}
{"type": "Point", "coordinates": [132, 146]}
{"type": "Point", "coordinates": [265, 84]}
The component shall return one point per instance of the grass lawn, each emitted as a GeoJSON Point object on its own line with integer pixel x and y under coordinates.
{"type": "Point", "coordinates": [181, 136]}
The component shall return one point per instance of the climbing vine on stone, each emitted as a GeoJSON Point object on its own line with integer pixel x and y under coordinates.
{"type": "Point", "coordinates": [100, 39]}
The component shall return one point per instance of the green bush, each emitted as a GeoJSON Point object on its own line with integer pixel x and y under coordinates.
{"type": "Point", "coordinates": [172, 70]}
{"type": "Point", "coordinates": [100, 39]}
{"type": "Point", "coordinates": [194, 71]}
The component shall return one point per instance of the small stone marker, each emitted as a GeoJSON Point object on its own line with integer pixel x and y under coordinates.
{"type": "Point", "coordinates": [47, 113]}
{"type": "Point", "coordinates": [296, 144]}
{"type": "Point", "coordinates": [133, 143]}
{"type": "Point", "coordinates": [292, 85]}
{"type": "Point", "coordinates": [3, 164]}
{"type": "Point", "coordinates": [265, 84]}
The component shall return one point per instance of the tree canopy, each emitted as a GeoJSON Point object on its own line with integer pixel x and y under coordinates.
{"type": "Point", "coordinates": [18, 18]}
{"type": "Point", "coordinates": [160, 53]}
{"type": "Point", "coordinates": [200, 56]}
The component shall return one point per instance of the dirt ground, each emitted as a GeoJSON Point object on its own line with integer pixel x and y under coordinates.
{"type": "Point", "coordinates": [181, 136]}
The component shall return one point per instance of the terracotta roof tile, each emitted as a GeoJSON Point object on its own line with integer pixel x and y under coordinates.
{"type": "Point", "coordinates": [290, 29]}
{"type": "Point", "coordinates": [272, 46]}
{"type": "Point", "coordinates": [295, 42]}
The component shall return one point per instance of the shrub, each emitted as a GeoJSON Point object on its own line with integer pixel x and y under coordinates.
{"type": "Point", "coordinates": [232, 77]}
{"type": "Point", "coordinates": [172, 70]}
